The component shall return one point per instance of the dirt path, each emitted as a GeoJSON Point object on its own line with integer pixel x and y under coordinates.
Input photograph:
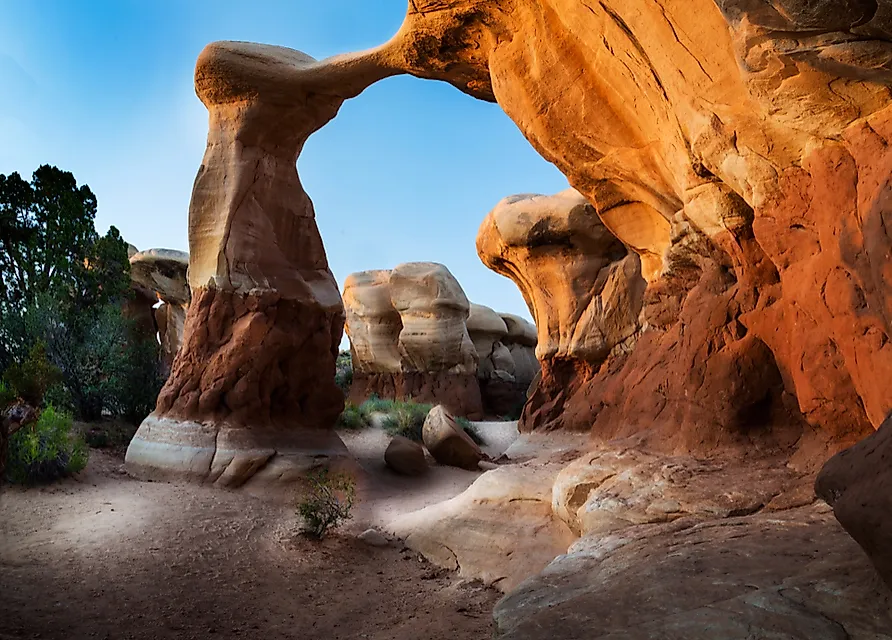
{"type": "Point", "coordinates": [109, 557]}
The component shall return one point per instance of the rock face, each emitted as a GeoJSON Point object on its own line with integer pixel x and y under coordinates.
{"type": "Point", "coordinates": [251, 395]}
{"type": "Point", "coordinates": [409, 338]}
{"type": "Point", "coordinates": [447, 441]}
{"type": "Point", "coordinates": [739, 149]}
{"type": "Point", "coordinates": [507, 361]}
{"type": "Point", "coordinates": [160, 274]}
{"type": "Point", "coordinates": [793, 575]}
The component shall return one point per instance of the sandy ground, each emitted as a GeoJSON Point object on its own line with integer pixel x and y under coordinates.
{"type": "Point", "coordinates": [105, 556]}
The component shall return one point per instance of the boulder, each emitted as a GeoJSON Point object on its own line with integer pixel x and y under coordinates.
{"type": "Point", "coordinates": [405, 457]}
{"type": "Point", "coordinates": [857, 483]}
{"type": "Point", "coordinates": [447, 441]}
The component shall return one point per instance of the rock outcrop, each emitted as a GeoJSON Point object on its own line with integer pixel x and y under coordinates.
{"type": "Point", "coordinates": [409, 339]}
{"type": "Point", "coordinates": [252, 395]}
{"type": "Point", "coordinates": [507, 360]}
{"type": "Point", "coordinates": [160, 274]}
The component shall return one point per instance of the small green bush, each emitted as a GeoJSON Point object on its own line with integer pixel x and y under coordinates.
{"type": "Point", "coordinates": [344, 371]}
{"type": "Point", "coordinates": [46, 450]}
{"type": "Point", "coordinates": [465, 424]}
{"type": "Point", "coordinates": [351, 418]}
{"type": "Point", "coordinates": [7, 395]}
{"type": "Point", "coordinates": [328, 503]}
{"type": "Point", "coordinates": [406, 419]}
{"type": "Point", "coordinates": [30, 379]}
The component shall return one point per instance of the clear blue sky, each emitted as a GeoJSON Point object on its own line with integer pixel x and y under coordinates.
{"type": "Point", "coordinates": [406, 172]}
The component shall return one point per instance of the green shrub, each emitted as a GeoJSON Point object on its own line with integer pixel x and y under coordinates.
{"type": "Point", "coordinates": [377, 405]}
{"type": "Point", "coordinates": [46, 450]}
{"type": "Point", "coordinates": [465, 424]}
{"type": "Point", "coordinates": [7, 395]}
{"type": "Point", "coordinates": [344, 372]}
{"type": "Point", "coordinates": [406, 419]}
{"type": "Point", "coordinates": [328, 502]}
{"type": "Point", "coordinates": [31, 378]}
{"type": "Point", "coordinates": [351, 418]}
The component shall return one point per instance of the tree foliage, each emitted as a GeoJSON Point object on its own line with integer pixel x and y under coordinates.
{"type": "Point", "coordinates": [62, 287]}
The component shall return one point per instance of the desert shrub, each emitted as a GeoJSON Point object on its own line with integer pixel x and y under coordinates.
{"type": "Point", "coordinates": [7, 395]}
{"type": "Point", "coordinates": [351, 418]}
{"type": "Point", "coordinates": [465, 424]}
{"type": "Point", "coordinates": [406, 419]}
{"type": "Point", "coordinates": [344, 371]}
{"type": "Point", "coordinates": [374, 404]}
{"type": "Point", "coordinates": [30, 378]}
{"type": "Point", "coordinates": [328, 502]}
{"type": "Point", "coordinates": [46, 450]}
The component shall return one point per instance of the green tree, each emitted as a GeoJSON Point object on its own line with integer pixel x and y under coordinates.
{"type": "Point", "coordinates": [46, 233]}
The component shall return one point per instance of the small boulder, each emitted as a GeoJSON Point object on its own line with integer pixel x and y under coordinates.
{"type": "Point", "coordinates": [405, 457]}
{"type": "Point", "coordinates": [448, 442]}
{"type": "Point", "coordinates": [374, 538]}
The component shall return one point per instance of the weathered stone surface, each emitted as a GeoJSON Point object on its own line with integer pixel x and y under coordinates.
{"type": "Point", "coordinates": [433, 309]}
{"type": "Point", "coordinates": [373, 324]}
{"type": "Point", "coordinates": [409, 338]}
{"type": "Point", "coordinates": [251, 395]}
{"type": "Point", "coordinates": [794, 575]}
{"type": "Point", "coordinates": [171, 322]}
{"type": "Point", "coordinates": [164, 272]}
{"type": "Point", "coordinates": [857, 483]}
{"type": "Point", "coordinates": [503, 381]}
{"type": "Point", "coordinates": [447, 441]}
{"type": "Point", "coordinates": [500, 530]}
{"type": "Point", "coordinates": [405, 457]}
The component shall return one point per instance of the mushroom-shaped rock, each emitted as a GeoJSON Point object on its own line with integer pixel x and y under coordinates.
{"type": "Point", "coordinates": [405, 457]}
{"type": "Point", "coordinates": [417, 348]}
{"type": "Point", "coordinates": [448, 442]}
{"type": "Point", "coordinates": [164, 272]}
{"type": "Point", "coordinates": [252, 394]}
{"type": "Point", "coordinates": [373, 325]}
{"type": "Point", "coordinates": [582, 284]}
{"type": "Point", "coordinates": [433, 309]}
{"type": "Point", "coordinates": [486, 329]}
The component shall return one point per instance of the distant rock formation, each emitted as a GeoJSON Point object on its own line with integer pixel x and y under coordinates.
{"type": "Point", "coordinates": [409, 337]}
{"type": "Point", "coordinates": [160, 274]}
{"type": "Point", "coordinates": [508, 362]}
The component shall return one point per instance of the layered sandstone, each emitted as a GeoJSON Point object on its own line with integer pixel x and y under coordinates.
{"type": "Point", "coordinates": [160, 274]}
{"type": "Point", "coordinates": [508, 362]}
{"type": "Point", "coordinates": [251, 395]}
{"type": "Point", "coordinates": [583, 287]}
{"type": "Point", "coordinates": [409, 338]}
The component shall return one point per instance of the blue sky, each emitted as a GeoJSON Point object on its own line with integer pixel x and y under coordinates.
{"type": "Point", "coordinates": [406, 172]}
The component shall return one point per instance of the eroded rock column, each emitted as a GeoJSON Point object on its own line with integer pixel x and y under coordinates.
{"type": "Point", "coordinates": [252, 395]}
{"type": "Point", "coordinates": [409, 337]}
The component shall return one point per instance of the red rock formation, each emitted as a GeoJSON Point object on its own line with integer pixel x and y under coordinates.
{"type": "Point", "coordinates": [252, 393]}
